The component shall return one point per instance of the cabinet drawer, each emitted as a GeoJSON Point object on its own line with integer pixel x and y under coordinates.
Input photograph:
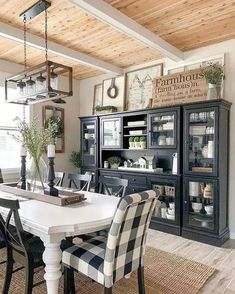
{"type": "Point", "coordinates": [135, 180]}
{"type": "Point", "coordinates": [135, 189]}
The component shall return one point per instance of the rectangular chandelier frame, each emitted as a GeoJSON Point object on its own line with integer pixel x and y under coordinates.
{"type": "Point", "coordinates": [49, 92]}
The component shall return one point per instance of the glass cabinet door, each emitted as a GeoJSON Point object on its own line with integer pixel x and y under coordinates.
{"type": "Point", "coordinates": [199, 200]}
{"type": "Point", "coordinates": [201, 141]}
{"type": "Point", "coordinates": [111, 133]}
{"type": "Point", "coordinates": [166, 207]}
{"type": "Point", "coordinates": [89, 152]}
{"type": "Point", "coordinates": [163, 130]}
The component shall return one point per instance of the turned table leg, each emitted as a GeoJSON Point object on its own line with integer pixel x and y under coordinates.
{"type": "Point", "coordinates": [52, 258]}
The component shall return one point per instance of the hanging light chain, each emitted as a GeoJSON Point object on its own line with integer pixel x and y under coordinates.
{"type": "Point", "coordinates": [25, 61]}
{"type": "Point", "coordinates": [25, 56]}
{"type": "Point", "coordinates": [46, 35]}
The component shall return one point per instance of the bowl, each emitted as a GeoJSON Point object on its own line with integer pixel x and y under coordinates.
{"type": "Point", "coordinates": [169, 216]}
{"type": "Point", "coordinates": [171, 211]}
{"type": "Point", "coordinates": [172, 205]}
{"type": "Point", "coordinates": [196, 206]}
{"type": "Point", "coordinates": [209, 209]}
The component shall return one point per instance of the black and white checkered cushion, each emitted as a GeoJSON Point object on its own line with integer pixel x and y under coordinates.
{"type": "Point", "coordinates": [107, 260]}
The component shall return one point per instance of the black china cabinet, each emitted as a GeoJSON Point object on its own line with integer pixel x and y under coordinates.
{"type": "Point", "coordinates": [205, 180]}
{"type": "Point", "coordinates": [181, 151]}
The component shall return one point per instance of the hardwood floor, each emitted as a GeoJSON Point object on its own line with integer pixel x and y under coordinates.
{"type": "Point", "coordinates": [223, 259]}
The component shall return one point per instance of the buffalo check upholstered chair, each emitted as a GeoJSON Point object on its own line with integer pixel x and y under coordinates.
{"type": "Point", "coordinates": [106, 260]}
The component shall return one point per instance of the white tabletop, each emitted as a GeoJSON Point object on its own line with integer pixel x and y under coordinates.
{"type": "Point", "coordinates": [94, 213]}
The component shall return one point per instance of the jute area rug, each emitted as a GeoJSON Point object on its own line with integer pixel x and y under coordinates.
{"type": "Point", "coordinates": [165, 273]}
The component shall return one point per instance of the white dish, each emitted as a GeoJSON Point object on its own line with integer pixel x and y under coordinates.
{"type": "Point", "coordinates": [138, 132]}
{"type": "Point", "coordinates": [90, 127]}
{"type": "Point", "coordinates": [136, 123]}
{"type": "Point", "coordinates": [169, 216]}
{"type": "Point", "coordinates": [171, 211]}
{"type": "Point", "coordinates": [209, 209]}
{"type": "Point", "coordinates": [196, 206]}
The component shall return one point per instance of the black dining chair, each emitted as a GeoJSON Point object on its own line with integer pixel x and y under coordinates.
{"type": "Point", "coordinates": [83, 180]}
{"type": "Point", "coordinates": [22, 248]}
{"type": "Point", "coordinates": [106, 260]}
{"type": "Point", "coordinates": [112, 186]}
{"type": "Point", "coordinates": [59, 179]}
{"type": "Point", "coordinates": [2, 239]}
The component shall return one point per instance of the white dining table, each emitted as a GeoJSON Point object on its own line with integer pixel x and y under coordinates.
{"type": "Point", "coordinates": [53, 223]}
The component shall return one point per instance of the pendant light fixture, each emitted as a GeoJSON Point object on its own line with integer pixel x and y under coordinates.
{"type": "Point", "coordinates": [45, 81]}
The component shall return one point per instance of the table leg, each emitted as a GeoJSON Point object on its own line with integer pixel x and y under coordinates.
{"type": "Point", "coordinates": [52, 258]}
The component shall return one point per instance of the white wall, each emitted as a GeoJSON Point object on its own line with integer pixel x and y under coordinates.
{"type": "Point", "coordinates": [227, 48]}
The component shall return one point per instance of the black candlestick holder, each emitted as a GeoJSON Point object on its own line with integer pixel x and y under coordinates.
{"type": "Point", "coordinates": [52, 191]}
{"type": "Point", "coordinates": [23, 173]}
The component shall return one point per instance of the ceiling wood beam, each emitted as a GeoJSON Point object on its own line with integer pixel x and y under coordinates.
{"type": "Point", "coordinates": [113, 17]}
{"type": "Point", "coordinates": [14, 34]}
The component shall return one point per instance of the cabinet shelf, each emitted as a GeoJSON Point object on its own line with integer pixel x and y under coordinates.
{"type": "Point", "coordinates": [162, 121]}
{"type": "Point", "coordinates": [163, 131]}
{"type": "Point", "coordinates": [133, 127]}
{"type": "Point", "coordinates": [141, 135]}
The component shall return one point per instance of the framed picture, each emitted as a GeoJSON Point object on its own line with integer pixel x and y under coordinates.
{"type": "Point", "coordinates": [98, 96]}
{"type": "Point", "coordinates": [55, 114]}
{"type": "Point", "coordinates": [113, 92]}
{"type": "Point", "coordinates": [139, 86]}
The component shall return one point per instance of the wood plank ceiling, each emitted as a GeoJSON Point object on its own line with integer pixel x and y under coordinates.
{"type": "Point", "coordinates": [186, 24]}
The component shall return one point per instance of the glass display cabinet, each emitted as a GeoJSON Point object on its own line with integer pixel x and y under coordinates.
{"type": "Point", "coordinates": [162, 130]}
{"type": "Point", "coordinates": [89, 137]}
{"type": "Point", "coordinates": [201, 134]}
{"type": "Point", "coordinates": [205, 174]}
{"type": "Point", "coordinates": [111, 134]}
{"type": "Point", "coordinates": [166, 215]}
{"type": "Point", "coordinates": [200, 209]}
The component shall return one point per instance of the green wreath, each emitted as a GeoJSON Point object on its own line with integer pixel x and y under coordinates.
{"type": "Point", "coordinates": [57, 123]}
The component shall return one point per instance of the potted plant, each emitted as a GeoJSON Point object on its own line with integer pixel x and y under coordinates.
{"type": "Point", "coordinates": [213, 73]}
{"type": "Point", "coordinates": [75, 159]}
{"type": "Point", "coordinates": [131, 143]}
{"type": "Point", "coordinates": [143, 142]}
{"type": "Point", "coordinates": [137, 142]}
{"type": "Point", "coordinates": [105, 109]}
{"type": "Point", "coordinates": [114, 161]}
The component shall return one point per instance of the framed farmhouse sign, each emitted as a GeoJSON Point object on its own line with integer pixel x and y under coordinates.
{"type": "Point", "coordinates": [179, 88]}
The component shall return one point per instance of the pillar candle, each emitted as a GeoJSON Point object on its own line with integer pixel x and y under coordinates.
{"type": "Point", "coordinates": [22, 151]}
{"type": "Point", "coordinates": [51, 150]}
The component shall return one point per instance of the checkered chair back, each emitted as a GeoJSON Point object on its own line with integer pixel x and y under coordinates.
{"type": "Point", "coordinates": [127, 235]}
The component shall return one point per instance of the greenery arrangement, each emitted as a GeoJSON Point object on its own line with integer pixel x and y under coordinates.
{"type": "Point", "coordinates": [114, 160]}
{"type": "Point", "coordinates": [213, 73]}
{"type": "Point", "coordinates": [75, 159]}
{"type": "Point", "coordinates": [107, 107]}
{"type": "Point", "coordinates": [35, 140]}
{"type": "Point", "coordinates": [58, 125]}
{"type": "Point", "coordinates": [137, 139]}
{"type": "Point", "coordinates": [131, 139]}
{"type": "Point", "coordinates": [142, 139]}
